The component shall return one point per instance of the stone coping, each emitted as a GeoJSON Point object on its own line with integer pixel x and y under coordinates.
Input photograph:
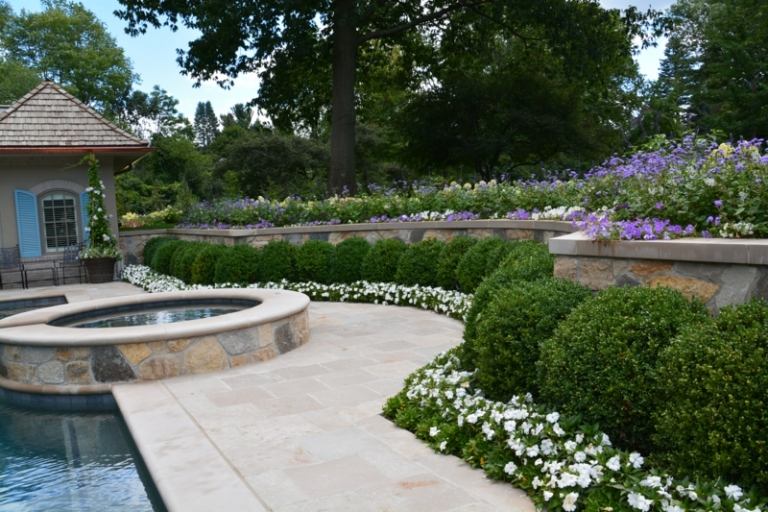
{"type": "Point", "coordinates": [536, 225]}
{"type": "Point", "coordinates": [31, 328]}
{"type": "Point", "coordinates": [743, 251]}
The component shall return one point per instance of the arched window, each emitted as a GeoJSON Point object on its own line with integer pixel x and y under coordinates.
{"type": "Point", "coordinates": [59, 220]}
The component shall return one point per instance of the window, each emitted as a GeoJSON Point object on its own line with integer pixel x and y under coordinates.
{"type": "Point", "coordinates": [59, 221]}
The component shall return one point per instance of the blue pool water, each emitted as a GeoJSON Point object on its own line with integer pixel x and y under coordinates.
{"type": "Point", "coordinates": [83, 462]}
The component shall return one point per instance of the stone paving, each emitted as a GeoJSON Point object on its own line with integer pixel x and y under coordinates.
{"type": "Point", "coordinates": [303, 432]}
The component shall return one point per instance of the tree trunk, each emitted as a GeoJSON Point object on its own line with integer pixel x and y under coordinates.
{"type": "Point", "coordinates": [342, 173]}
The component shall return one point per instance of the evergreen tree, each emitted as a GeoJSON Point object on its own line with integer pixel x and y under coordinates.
{"type": "Point", "coordinates": [206, 124]}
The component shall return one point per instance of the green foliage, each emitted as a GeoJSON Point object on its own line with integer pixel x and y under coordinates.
{"type": "Point", "coordinates": [151, 246]}
{"type": "Point", "coordinates": [601, 361]}
{"type": "Point", "coordinates": [101, 243]}
{"type": "Point", "coordinates": [182, 260]}
{"type": "Point", "coordinates": [512, 327]}
{"type": "Point", "coordinates": [527, 261]}
{"type": "Point", "coordinates": [347, 265]}
{"type": "Point", "coordinates": [713, 409]}
{"type": "Point", "coordinates": [238, 264]}
{"type": "Point", "coordinates": [16, 80]}
{"type": "Point", "coordinates": [313, 261]}
{"type": "Point", "coordinates": [473, 267]}
{"type": "Point", "coordinates": [163, 255]}
{"type": "Point", "coordinates": [66, 43]}
{"type": "Point", "coordinates": [278, 261]}
{"type": "Point", "coordinates": [203, 269]}
{"type": "Point", "coordinates": [417, 265]}
{"type": "Point", "coordinates": [380, 264]}
{"type": "Point", "coordinates": [449, 260]}
{"type": "Point", "coordinates": [206, 124]}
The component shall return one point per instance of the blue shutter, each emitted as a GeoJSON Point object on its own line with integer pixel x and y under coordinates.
{"type": "Point", "coordinates": [28, 224]}
{"type": "Point", "coordinates": [84, 198]}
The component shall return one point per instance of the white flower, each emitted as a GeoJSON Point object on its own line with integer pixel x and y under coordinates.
{"type": "Point", "coordinates": [639, 502]}
{"type": "Point", "coordinates": [442, 446]}
{"type": "Point", "coordinates": [472, 418]}
{"type": "Point", "coordinates": [579, 456]}
{"type": "Point", "coordinates": [636, 460]}
{"type": "Point", "coordinates": [668, 507]}
{"type": "Point", "coordinates": [733, 492]}
{"type": "Point", "coordinates": [510, 468]}
{"type": "Point", "coordinates": [547, 495]}
{"type": "Point", "coordinates": [433, 431]}
{"type": "Point", "coordinates": [570, 446]}
{"type": "Point", "coordinates": [614, 463]}
{"type": "Point", "coordinates": [553, 417]}
{"type": "Point", "coordinates": [654, 482]}
{"type": "Point", "coordinates": [569, 502]}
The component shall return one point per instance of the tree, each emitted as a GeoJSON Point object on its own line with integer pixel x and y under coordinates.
{"type": "Point", "coordinates": [240, 114]}
{"type": "Point", "coordinates": [16, 80]}
{"type": "Point", "coordinates": [67, 44]}
{"type": "Point", "coordinates": [151, 114]}
{"type": "Point", "coordinates": [293, 39]}
{"type": "Point", "coordinates": [206, 124]}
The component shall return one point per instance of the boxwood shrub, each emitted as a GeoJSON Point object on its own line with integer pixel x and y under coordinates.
{"type": "Point", "coordinates": [511, 329]}
{"type": "Point", "coordinates": [473, 266]}
{"type": "Point", "coordinates": [529, 260]}
{"type": "Point", "coordinates": [713, 417]}
{"type": "Point", "coordinates": [313, 261]}
{"type": "Point", "coordinates": [203, 269]}
{"type": "Point", "coordinates": [238, 264]}
{"type": "Point", "coordinates": [600, 363]}
{"type": "Point", "coordinates": [278, 261]}
{"type": "Point", "coordinates": [417, 265]}
{"type": "Point", "coordinates": [151, 247]}
{"type": "Point", "coordinates": [347, 265]}
{"type": "Point", "coordinates": [181, 258]}
{"type": "Point", "coordinates": [163, 254]}
{"type": "Point", "coordinates": [449, 259]}
{"type": "Point", "coordinates": [380, 264]}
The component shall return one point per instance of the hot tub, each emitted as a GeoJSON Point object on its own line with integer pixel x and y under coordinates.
{"type": "Point", "coordinates": [86, 347]}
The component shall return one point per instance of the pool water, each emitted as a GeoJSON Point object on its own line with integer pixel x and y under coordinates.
{"type": "Point", "coordinates": [84, 462]}
{"type": "Point", "coordinates": [164, 316]}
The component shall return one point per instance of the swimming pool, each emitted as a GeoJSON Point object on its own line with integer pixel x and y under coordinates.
{"type": "Point", "coordinates": [83, 462]}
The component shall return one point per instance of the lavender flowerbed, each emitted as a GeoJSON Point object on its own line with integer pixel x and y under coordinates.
{"type": "Point", "coordinates": [695, 187]}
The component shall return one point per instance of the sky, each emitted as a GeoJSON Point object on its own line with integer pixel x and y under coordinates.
{"type": "Point", "coordinates": [153, 56]}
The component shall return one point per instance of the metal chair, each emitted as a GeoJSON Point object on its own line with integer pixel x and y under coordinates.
{"type": "Point", "coordinates": [36, 266]}
{"type": "Point", "coordinates": [10, 262]}
{"type": "Point", "coordinates": [70, 260]}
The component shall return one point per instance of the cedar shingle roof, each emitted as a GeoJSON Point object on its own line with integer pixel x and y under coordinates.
{"type": "Point", "coordinates": [48, 116]}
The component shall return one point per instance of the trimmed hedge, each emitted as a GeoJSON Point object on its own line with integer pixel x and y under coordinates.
{"type": "Point", "coordinates": [151, 247]}
{"type": "Point", "coordinates": [347, 264]}
{"type": "Point", "coordinates": [164, 253]}
{"type": "Point", "coordinates": [449, 260]}
{"type": "Point", "coordinates": [278, 261]}
{"type": "Point", "coordinates": [380, 264]}
{"type": "Point", "coordinates": [181, 263]}
{"type": "Point", "coordinates": [512, 328]}
{"type": "Point", "coordinates": [713, 415]}
{"type": "Point", "coordinates": [601, 361]}
{"type": "Point", "coordinates": [238, 264]}
{"type": "Point", "coordinates": [313, 261]}
{"type": "Point", "coordinates": [417, 264]}
{"type": "Point", "coordinates": [473, 266]}
{"type": "Point", "coordinates": [203, 268]}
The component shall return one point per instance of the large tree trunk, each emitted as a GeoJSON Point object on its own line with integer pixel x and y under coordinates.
{"type": "Point", "coordinates": [342, 173]}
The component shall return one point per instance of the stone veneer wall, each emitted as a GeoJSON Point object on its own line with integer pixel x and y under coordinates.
{"type": "Point", "coordinates": [716, 271]}
{"type": "Point", "coordinates": [132, 242]}
{"type": "Point", "coordinates": [93, 369]}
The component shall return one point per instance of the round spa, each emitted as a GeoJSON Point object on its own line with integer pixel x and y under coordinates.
{"type": "Point", "coordinates": [85, 347]}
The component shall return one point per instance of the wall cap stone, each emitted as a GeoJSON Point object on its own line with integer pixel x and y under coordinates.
{"type": "Point", "coordinates": [743, 251]}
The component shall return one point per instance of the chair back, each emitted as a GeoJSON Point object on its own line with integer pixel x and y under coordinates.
{"type": "Point", "coordinates": [72, 253]}
{"type": "Point", "coordinates": [10, 257]}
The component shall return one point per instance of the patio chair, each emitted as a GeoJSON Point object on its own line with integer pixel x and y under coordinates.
{"type": "Point", "coordinates": [39, 268]}
{"type": "Point", "coordinates": [70, 261]}
{"type": "Point", "coordinates": [10, 263]}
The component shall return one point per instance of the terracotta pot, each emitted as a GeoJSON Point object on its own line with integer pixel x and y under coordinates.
{"type": "Point", "coordinates": [100, 270]}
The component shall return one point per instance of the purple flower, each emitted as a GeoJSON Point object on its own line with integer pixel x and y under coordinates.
{"type": "Point", "coordinates": [718, 203]}
{"type": "Point", "coordinates": [659, 205]}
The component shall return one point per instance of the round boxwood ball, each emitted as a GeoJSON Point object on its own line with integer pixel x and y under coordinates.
{"type": "Point", "coordinates": [151, 247]}
{"type": "Point", "coordinates": [278, 261]}
{"type": "Point", "coordinates": [417, 265]}
{"type": "Point", "coordinates": [473, 266]}
{"type": "Point", "coordinates": [313, 261]}
{"type": "Point", "coordinates": [238, 264]}
{"type": "Point", "coordinates": [713, 415]}
{"type": "Point", "coordinates": [347, 265]}
{"type": "Point", "coordinates": [449, 259]}
{"type": "Point", "coordinates": [513, 326]}
{"type": "Point", "coordinates": [164, 253]}
{"type": "Point", "coordinates": [204, 265]}
{"type": "Point", "coordinates": [380, 264]}
{"type": "Point", "coordinates": [601, 360]}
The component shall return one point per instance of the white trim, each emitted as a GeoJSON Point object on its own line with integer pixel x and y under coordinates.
{"type": "Point", "coordinates": [45, 186]}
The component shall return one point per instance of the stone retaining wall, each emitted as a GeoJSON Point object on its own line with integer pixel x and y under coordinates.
{"type": "Point", "coordinates": [83, 369]}
{"type": "Point", "coordinates": [132, 242]}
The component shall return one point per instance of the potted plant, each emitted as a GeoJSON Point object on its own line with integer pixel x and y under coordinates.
{"type": "Point", "coordinates": [100, 252]}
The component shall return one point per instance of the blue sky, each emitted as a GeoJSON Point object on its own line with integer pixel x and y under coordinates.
{"type": "Point", "coordinates": [153, 56]}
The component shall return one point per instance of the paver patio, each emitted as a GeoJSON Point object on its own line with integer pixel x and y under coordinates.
{"type": "Point", "coordinates": [303, 432]}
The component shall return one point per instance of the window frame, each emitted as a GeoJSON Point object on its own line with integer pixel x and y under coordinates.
{"type": "Point", "coordinates": [48, 195]}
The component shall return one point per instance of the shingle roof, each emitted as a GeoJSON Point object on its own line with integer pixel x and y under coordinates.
{"type": "Point", "coordinates": [48, 116]}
